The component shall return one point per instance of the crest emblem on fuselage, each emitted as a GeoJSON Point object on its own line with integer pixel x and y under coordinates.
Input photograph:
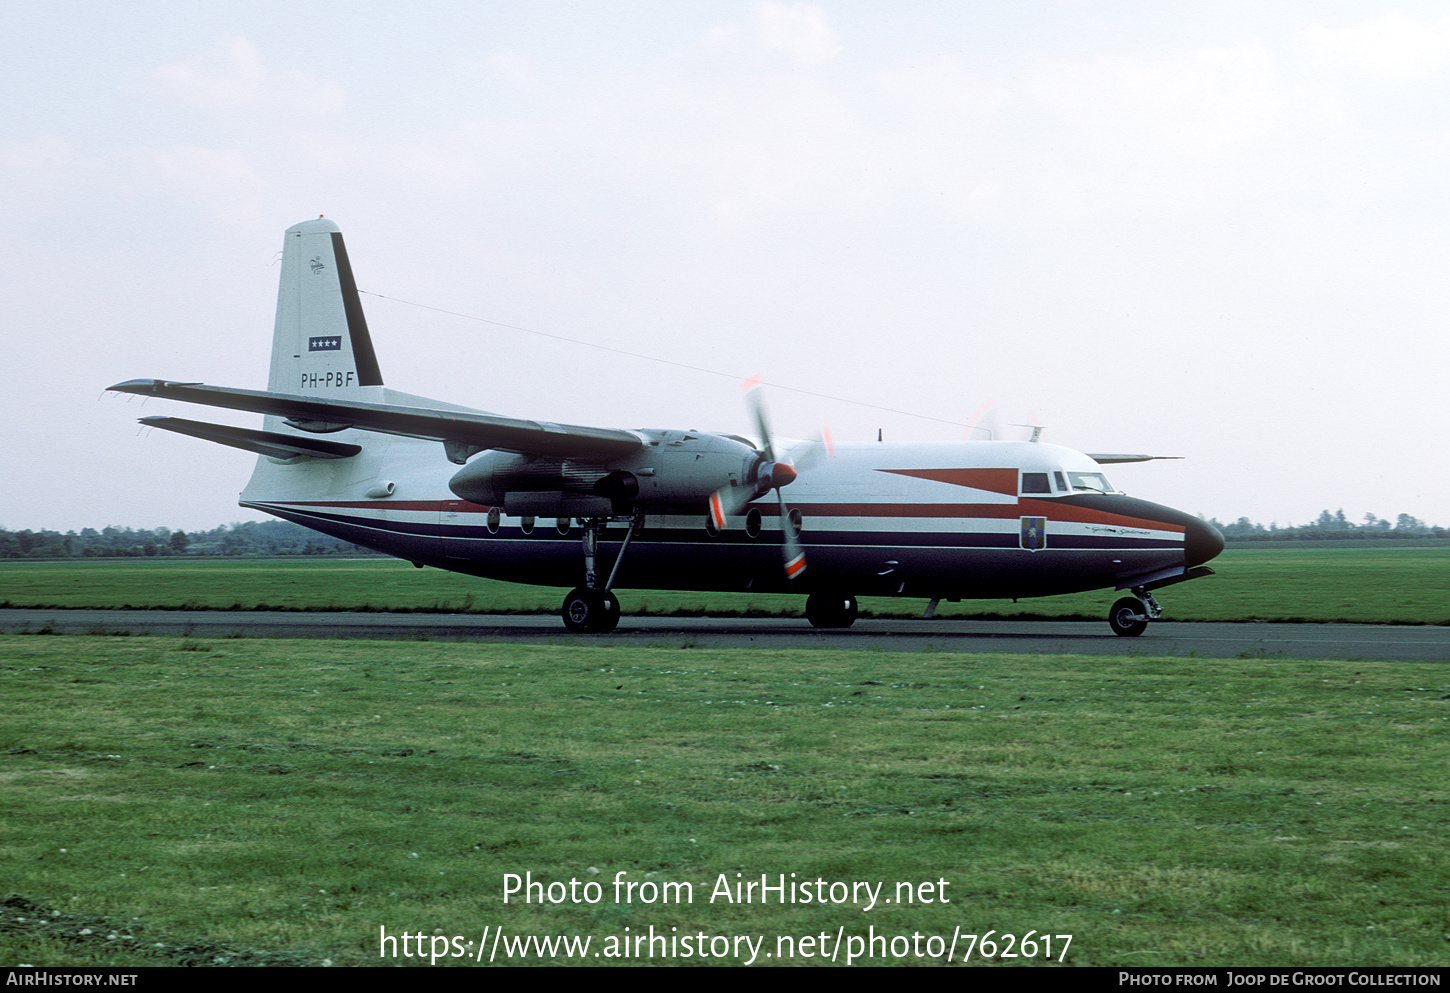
{"type": "Point", "coordinates": [1034, 533]}
{"type": "Point", "coordinates": [317, 265]}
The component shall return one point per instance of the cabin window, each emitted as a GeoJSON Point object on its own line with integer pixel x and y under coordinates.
{"type": "Point", "coordinates": [563, 524]}
{"type": "Point", "coordinates": [526, 524]}
{"type": "Point", "coordinates": [493, 520]}
{"type": "Point", "coordinates": [1090, 482]}
{"type": "Point", "coordinates": [1035, 482]}
{"type": "Point", "coordinates": [752, 522]}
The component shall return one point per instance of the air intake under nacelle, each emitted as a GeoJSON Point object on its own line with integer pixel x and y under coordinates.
{"type": "Point", "coordinates": [556, 504]}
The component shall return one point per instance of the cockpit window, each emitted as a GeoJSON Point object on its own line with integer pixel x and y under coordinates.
{"type": "Point", "coordinates": [1035, 482]}
{"type": "Point", "coordinates": [1061, 483]}
{"type": "Point", "coordinates": [1090, 482]}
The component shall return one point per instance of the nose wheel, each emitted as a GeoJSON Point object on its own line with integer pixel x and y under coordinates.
{"type": "Point", "coordinates": [1130, 615]}
{"type": "Point", "coordinates": [1127, 618]}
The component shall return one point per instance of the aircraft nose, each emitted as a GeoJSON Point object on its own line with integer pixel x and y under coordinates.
{"type": "Point", "coordinates": [1201, 542]}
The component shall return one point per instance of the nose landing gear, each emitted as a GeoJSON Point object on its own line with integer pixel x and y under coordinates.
{"type": "Point", "coordinates": [1129, 617]}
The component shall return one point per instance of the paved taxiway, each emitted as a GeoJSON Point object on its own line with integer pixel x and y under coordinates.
{"type": "Point", "coordinates": [1202, 640]}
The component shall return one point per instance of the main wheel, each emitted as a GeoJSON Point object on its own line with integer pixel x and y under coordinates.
{"type": "Point", "coordinates": [831, 610]}
{"type": "Point", "coordinates": [590, 611]}
{"type": "Point", "coordinates": [1128, 618]}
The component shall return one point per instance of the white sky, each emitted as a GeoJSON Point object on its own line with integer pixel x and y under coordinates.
{"type": "Point", "coordinates": [1217, 230]}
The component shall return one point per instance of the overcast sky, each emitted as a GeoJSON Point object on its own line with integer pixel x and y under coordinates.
{"type": "Point", "coordinates": [1217, 230]}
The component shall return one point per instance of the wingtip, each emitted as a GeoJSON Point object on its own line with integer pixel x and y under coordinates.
{"type": "Point", "coordinates": [147, 387]}
{"type": "Point", "coordinates": [134, 386]}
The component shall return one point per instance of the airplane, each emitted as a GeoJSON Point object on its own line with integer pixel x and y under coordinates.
{"type": "Point", "coordinates": [599, 509]}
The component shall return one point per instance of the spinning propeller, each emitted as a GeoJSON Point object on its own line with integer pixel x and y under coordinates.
{"type": "Point", "coordinates": [769, 474]}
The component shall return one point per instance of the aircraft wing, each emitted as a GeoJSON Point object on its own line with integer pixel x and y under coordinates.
{"type": "Point", "coordinates": [462, 432]}
{"type": "Point", "coordinates": [1109, 459]}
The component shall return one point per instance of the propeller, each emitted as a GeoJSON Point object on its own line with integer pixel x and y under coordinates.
{"type": "Point", "coordinates": [770, 474]}
{"type": "Point", "coordinates": [778, 474]}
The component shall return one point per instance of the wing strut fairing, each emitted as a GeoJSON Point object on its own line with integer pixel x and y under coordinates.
{"type": "Point", "coordinates": [462, 432]}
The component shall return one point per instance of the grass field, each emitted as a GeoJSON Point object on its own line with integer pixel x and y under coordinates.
{"type": "Point", "coordinates": [260, 801]}
{"type": "Point", "coordinates": [1370, 585]}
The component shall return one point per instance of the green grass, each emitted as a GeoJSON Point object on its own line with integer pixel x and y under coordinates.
{"type": "Point", "coordinates": [1369, 585]}
{"type": "Point", "coordinates": [280, 801]}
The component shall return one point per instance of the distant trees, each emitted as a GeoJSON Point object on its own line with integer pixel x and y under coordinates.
{"type": "Point", "coordinates": [248, 538]}
{"type": "Point", "coordinates": [1334, 525]}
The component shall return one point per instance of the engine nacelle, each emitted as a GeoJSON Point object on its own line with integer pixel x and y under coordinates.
{"type": "Point", "coordinates": [676, 469]}
{"type": "Point", "coordinates": [488, 477]}
{"type": "Point", "coordinates": [683, 468]}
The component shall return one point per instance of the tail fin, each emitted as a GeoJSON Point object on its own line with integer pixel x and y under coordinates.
{"type": "Point", "coordinates": [320, 343]}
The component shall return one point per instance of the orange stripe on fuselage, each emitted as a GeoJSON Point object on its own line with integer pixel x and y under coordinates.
{"type": "Point", "coordinates": [991, 480]}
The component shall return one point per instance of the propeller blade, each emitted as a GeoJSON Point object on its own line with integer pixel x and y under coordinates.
{"type": "Point", "coordinates": [981, 426]}
{"type": "Point", "coordinates": [762, 424]}
{"type": "Point", "coordinates": [775, 474]}
{"type": "Point", "coordinates": [795, 555]}
{"type": "Point", "coordinates": [729, 501]}
{"type": "Point", "coordinates": [812, 453]}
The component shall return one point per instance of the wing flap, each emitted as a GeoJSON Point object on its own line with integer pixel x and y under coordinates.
{"type": "Point", "coordinates": [463, 429]}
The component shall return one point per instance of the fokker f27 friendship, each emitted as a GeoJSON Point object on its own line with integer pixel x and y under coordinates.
{"type": "Point", "coordinates": [600, 509]}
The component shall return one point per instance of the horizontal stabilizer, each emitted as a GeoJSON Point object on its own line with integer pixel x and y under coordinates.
{"type": "Point", "coordinates": [269, 443]}
{"type": "Point", "coordinates": [1102, 459]}
{"type": "Point", "coordinates": [460, 431]}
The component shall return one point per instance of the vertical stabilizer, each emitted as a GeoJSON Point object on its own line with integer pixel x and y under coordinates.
{"type": "Point", "coordinates": [320, 343]}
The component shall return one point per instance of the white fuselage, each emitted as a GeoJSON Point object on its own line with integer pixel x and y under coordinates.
{"type": "Point", "coordinates": [929, 519]}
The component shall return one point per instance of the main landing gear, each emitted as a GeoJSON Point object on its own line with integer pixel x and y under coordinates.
{"type": "Point", "coordinates": [1130, 615]}
{"type": "Point", "coordinates": [592, 608]}
{"type": "Point", "coordinates": [831, 610]}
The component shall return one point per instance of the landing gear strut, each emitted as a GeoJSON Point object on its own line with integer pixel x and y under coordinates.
{"type": "Point", "coordinates": [831, 610]}
{"type": "Point", "coordinates": [592, 609]}
{"type": "Point", "coordinates": [1130, 615]}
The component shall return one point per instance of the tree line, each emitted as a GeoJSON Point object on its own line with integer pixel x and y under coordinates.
{"type": "Point", "coordinates": [246, 538]}
{"type": "Point", "coordinates": [1332, 526]}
